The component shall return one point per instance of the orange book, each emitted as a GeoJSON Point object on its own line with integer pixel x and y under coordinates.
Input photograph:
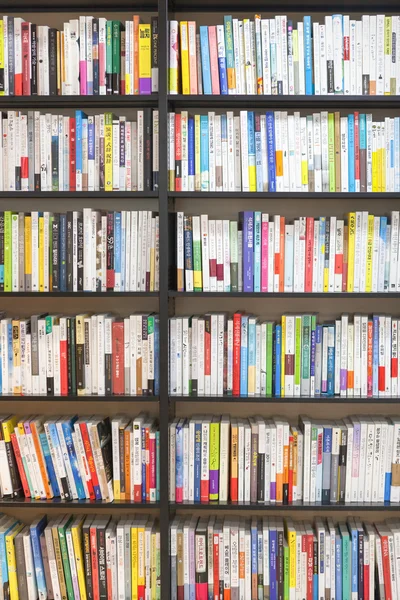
{"type": "Point", "coordinates": [282, 255]}
{"type": "Point", "coordinates": [136, 21]}
{"type": "Point", "coordinates": [279, 163]}
{"type": "Point", "coordinates": [127, 454]}
{"type": "Point", "coordinates": [36, 427]}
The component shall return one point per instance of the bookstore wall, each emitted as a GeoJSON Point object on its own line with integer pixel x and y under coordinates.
{"type": "Point", "coordinates": [199, 314]}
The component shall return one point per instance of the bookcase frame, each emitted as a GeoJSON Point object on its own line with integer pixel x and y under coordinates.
{"type": "Point", "coordinates": [167, 296]}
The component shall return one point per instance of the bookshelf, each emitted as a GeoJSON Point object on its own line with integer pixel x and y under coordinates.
{"type": "Point", "coordinates": [168, 301]}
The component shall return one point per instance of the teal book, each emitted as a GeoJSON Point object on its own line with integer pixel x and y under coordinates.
{"type": "Point", "coordinates": [204, 175]}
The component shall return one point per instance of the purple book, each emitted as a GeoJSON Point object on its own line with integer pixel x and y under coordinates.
{"type": "Point", "coordinates": [144, 85]}
{"type": "Point", "coordinates": [246, 219]}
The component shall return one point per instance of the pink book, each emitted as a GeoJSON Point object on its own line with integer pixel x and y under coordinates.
{"type": "Point", "coordinates": [264, 253]}
{"type": "Point", "coordinates": [192, 57]}
{"type": "Point", "coordinates": [212, 42]}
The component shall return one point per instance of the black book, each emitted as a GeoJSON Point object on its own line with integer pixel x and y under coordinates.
{"type": "Point", "coordinates": [95, 34]}
{"type": "Point", "coordinates": [53, 61]}
{"type": "Point", "coordinates": [11, 64]}
{"type": "Point", "coordinates": [147, 149]}
{"type": "Point", "coordinates": [103, 429]}
{"type": "Point", "coordinates": [101, 550]}
{"type": "Point", "coordinates": [108, 354]}
{"type": "Point", "coordinates": [55, 252]}
{"type": "Point", "coordinates": [261, 471]}
{"type": "Point", "coordinates": [33, 60]}
{"type": "Point", "coordinates": [360, 531]}
{"type": "Point", "coordinates": [80, 253]}
{"type": "Point", "coordinates": [70, 287]}
{"type": "Point", "coordinates": [14, 473]}
{"type": "Point", "coordinates": [80, 352]}
{"type": "Point", "coordinates": [87, 555]}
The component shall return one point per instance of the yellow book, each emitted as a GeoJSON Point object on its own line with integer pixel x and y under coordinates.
{"type": "Point", "coordinates": [283, 356]}
{"type": "Point", "coordinates": [291, 539]}
{"type": "Point", "coordinates": [214, 450]}
{"type": "Point", "coordinates": [197, 163]}
{"type": "Point", "coordinates": [144, 59]}
{"type": "Point", "coordinates": [370, 247]}
{"type": "Point", "coordinates": [17, 384]}
{"type": "Point", "coordinates": [41, 254]}
{"type": "Point", "coordinates": [375, 142]}
{"type": "Point", "coordinates": [350, 249]}
{"type": "Point", "coordinates": [2, 52]}
{"type": "Point", "coordinates": [185, 57]}
{"type": "Point", "coordinates": [8, 427]}
{"type": "Point", "coordinates": [388, 52]}
{"type": "Point", "coordinates": [141, 572]}
{"type": "Point", "coordinates": [134, 560]}
{"type": "Point", "coordinates": [76, 531]}
{"type": "Point", "coordinates": [304, 168]}
{"type": "Point", "coordinates": [108, 152]}
{"type": "Point", "coordinates": [11, 561]}
{"type": "Point", "coordinates": [28, 252]}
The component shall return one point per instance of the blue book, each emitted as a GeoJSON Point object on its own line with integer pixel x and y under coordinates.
{"type": "Point", "coordinates": [318, 350]}
{"type": "Point", "coordinates": [257, 251]}
{"type": "Point", "coordinates": [223, 80]}
{"type": "Point", "coordinates": [251, 151]}
{"type": "Point", "coordinates": [191, 151]}
{"type": "Point", "coordinates": [79, 116]}
{"type": "Point", "coordinates": [257, 137]}
{"type": "Point", "coordinates": [179, 460]}
{"type": "Point", "coordinates": [277, 356]}
{"type": "Point", "coordinates": [49, 463]}
{"type": "Point", "coordinates": [331, 361]}
{"type": "Point", "coordinates": [289, 244]}
{"type": "Point", "coordinates": [252, 347]}
{"type": "Point", "coordinates": [254, 546]}
{"type": "Point", "coordinates": [63, 253]}
{"type": "Point", "coordinates": [244, 342]}
{"type": "Point", "coordinates": [272, 565]}
{"type": "Point", "coordinates": [117, 250]}
{"type": "Point", "coordinates": [67, 428]}
{"type": "Point", "coordinates": [326, 464]}
{"type": "Point", "coordinates": [308, 61]}
{"type": "Point", "coordinates": [123, 251]}
{"type": "Point", "coordinates": [246, 222]}
{"type": "Point", "coordinates": [36, 530]}
{"type": "Point", "coordinates": [156, 355]}
{"type": "Point", "coordinates": [354, 556]}
{"type": "Point", "coordinates": [351, 154]}
{"type": "Point", "coordinates": [205, 60]}
{"type": "Point", "coordinates": [338, 564]}
{"type": "Point", "coordinates": [204, 175]}
{"type": "Point", "coordinates": [55, 442]}
{"type": "Point", "coordinates": [197, 460]}
{"type": "Point", "coordinates": [271, 152]}
{"type": "Point", "coordinates": [54, 164]}
{"type": "Point", "coordinates": [375, 355]}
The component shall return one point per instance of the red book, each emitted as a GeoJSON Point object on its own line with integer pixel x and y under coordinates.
{"type": "Point", "coordinates": [216, 565]}
{"type": "Point", "coordinates": [291, 445]}
{"type": "Point", "coordinates": [282, 256]}
{"type": "Point", "coordinates": [118, 350]}
{"type": "Point", "coordinates": [63, 359]}
{"type": "Point", "coordinates": [357, 152]}
{"type": "Point", "coordinates": [90, 460]}
{"type": "Point", "coordinates": [366, 582]}
{"type": "Point", "coordinates": [212, 43]}
{"type": "Point", "coordinates": [178, 154]}
{"type": "Point", "coordinates": [236, 354]}
{"type": "Point", "coordinates": [20, 465]}
{"type": "Point", "coordinates": [95, 563]}
{"type": "Point", "coordinates": [386, 563]}
{"type": "Point", "coordinates": [26, 58]}
{"type": "Point", "coordinates": [381, 379]}
{"type": "Point", "coordinates": [72, 155]}
{"type": "Point", "coordinates": [309, 253]}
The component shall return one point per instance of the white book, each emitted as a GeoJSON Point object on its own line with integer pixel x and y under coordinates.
{"type": "Point", "coordinates": [211, 151]}
{"type": "Point", "coordinates": [349, 478]}
{"type": "Point", "coordinates": [220, 254]}
{"type": "Point", "coordinates": [230, 152]}
{"type": "Point", "coordinates": [349, 62]}
{"type": "Point", "coordinates": [380, 55]}
{"type": "Point", "coordinates": [300, 34]}
{"type": "Point", "coordinates": [218, 154]}
{"type": "Point", "coordinates": [369, 459]}
{"type": "Point", "coordinates": [200, 369]}
{"type": "Point", "coordinates": [303, 146]}
{"type": "Point", "coordinates": [224, 458]}
{"type": "Point", "coordinates": [212, 255]}
{"type": "Point", "coordinates": [324, 151]}
{"type": "Point", "coordinates": [344, 154]}
{"type": "Point", "coordinates": [365, 53]}
{"type": "Point", "coordinates": [280, 179]}
{"type": "Point", "coordinates": [332, 245]}
{"type": "Point", "coordinates": [394, 248]}
{"type": "Point", "coordinates": [266, 56]}
{"type": "Point", "coordinates": [244, 151]}
{"type": "Point", "coordinates": [337, 53]}
{"type": "Point", "coordinates": [373, 53]}
{"type": "Point", "coordinates": [271, 256]}
{"type": "Point", "coordinates": [339, 254]}
{"type": "Point", "coordinates": [376, 460]}
{"type": "Point", "coordinates": [242, 58]}
{"type": "Point", "coordinates": [317, 152]}
{"type": "Point", "coordinates": [359, 50]}
{"type": "Point", "coordinates": [317, 63]}
{"type": "Point", "coordinates": [238, 88]}
{"type": "Point", "coordinates": [297, 142]}
{"type": "Point", "coordinates": [322, 57]}
{"type": "Point", "coordinates": [329, 54]}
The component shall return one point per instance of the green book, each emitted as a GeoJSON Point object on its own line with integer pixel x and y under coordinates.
{"type": "Point", "coordinates": [305, 355]}
{"type": "Point", "coordinates": [270, 351]}
{"type": "Point", "coordinates": [346, 561]}
{"type": "Point", "coordinates": [297, 359]}
{"type": "Point", "coordinates": [62, 533]}
{"type": "Point", "coordinates": [285, 570]}
{"type": "Point", "coordinates": [8, 251]}
{"type": "Point", "coordinates": [109, 62]}
{"type": "Point", "coordinates": [331, 152]}
{"type": "Point", "coordinates": [116, 56]}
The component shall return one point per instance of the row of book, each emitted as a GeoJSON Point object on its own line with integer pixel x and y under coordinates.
{"type": "Point", "coordinates": [90, 251]}
{"type": "Point", "coordinates": [277, 152]}
{"type": "Point", "coordinates": [56, 153]}
{"type": "Point", "coordinates": [80, 556]}
{"type": "Point", "coordinates": [88, 56]}
{"type": "Point", "coordinates": [86, 354]}
{"type": "Point", "coordinates": [241, 355]}
{"type": "Point", "coordinates": [259, 252]}
{"type": "Point", "coordinates": [338, 55]}
{"type": "Point", "coordinates": [271, 557]}
{"type": "Point", "coordinates": [225, 459]}
{"type": "Point", "coordinates": [74, 458]}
